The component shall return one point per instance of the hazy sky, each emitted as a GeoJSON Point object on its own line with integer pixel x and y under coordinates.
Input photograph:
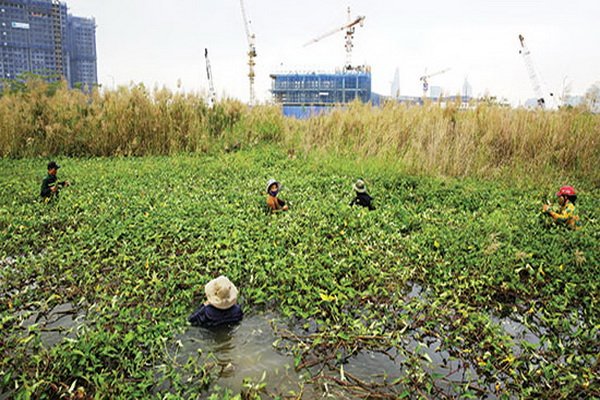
{"type": "Point", "coordinates": [161, 42]}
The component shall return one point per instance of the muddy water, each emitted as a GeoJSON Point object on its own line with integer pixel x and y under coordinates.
{"type": "Point", "coordinates": [519, 332]}
{"type": "Point", "coordinates": [246, 351]}
{"type": "Point", "coordinates": [60, 323]}
{"type": "Point", "coordinates": [385, 367]}
{"type": "Point", "coordinates": [242, 351]}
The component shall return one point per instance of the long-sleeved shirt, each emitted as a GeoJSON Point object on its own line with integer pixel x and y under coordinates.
{"type": "Point", "coordinates": [566, 216]}
{"type": "Point", "coordinates": [47, 183]}
{"type": "Point", "coordinates": [208, 316]}
{"type": "Point", "coordinates": [363, 199]}
{"type": "Point", "coordinates": [274, 203]}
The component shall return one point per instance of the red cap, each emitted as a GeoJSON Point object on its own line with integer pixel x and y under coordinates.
{"type": "Point", "coordinates": [566, 191]}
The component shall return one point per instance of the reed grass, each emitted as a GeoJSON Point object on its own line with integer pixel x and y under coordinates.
{"type": "Point", "coordinates": [484, 141]}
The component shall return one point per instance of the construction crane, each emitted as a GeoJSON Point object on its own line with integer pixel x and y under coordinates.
{"type": "Point", "coordinates": [350, 28]}
{"type": "Point", "coordinates": [212, 95]}
{"type": "Point", "coordinates": [251, 50]}
{"type": "Point", "coordinates": [533, 76]}
{"type": "Point", "coordinates": [425, 78]}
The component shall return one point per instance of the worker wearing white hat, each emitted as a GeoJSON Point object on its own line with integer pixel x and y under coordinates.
{"type": "Point", "coordinates": [273, 202]}
{"type": "Point", "coordinates": [362, 197]}
{"type": "Point", "coordinates": [221, 305]}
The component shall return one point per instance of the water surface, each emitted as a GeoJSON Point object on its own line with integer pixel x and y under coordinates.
{"type": "Point", "coordinates": [242, 351]}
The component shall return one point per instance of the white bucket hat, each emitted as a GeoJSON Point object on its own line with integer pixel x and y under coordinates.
{"type": "Point", "coordinates": [270, 182]}
{"type": "Point", "coordinates": [360, 186]}
{"type": "Point", "coordinates": [221, 293]}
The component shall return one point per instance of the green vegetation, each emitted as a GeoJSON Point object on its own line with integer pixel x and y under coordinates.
{"type": "Point", "coordinates": [133, 241]}
{"type": "Point", "coordinates": [487, 141]}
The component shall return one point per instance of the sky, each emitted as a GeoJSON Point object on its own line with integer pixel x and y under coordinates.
{"type": "Point", "coordinates": [161, 43]}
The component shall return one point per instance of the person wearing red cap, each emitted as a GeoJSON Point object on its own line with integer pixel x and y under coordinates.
{"type": "Point", "coordinates": [566, 214]}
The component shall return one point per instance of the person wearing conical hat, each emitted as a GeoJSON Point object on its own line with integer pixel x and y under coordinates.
{"type": "Point", "coordinates": [220, 307]}
{"type": "Point", "coordinates": [566, 215]}
{"type": "Point", "coordinates": [362, 197]}
{"type": "Point", "coordinates": [273, 202]}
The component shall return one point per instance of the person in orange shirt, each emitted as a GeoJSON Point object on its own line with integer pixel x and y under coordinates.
{"type": "Point", "coordinates": [273, 202]}
{"type": "Point", "coordinates": [566, 214]}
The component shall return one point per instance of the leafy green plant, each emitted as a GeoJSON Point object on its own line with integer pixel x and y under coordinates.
{"type": "Point", "coordinates": [133, 241]}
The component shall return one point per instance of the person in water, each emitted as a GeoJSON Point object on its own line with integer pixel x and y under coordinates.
{"type": "Point", "coordinates": [220, 307]}
{"type": "Point", "coordinates": [273, 202]}
{"type": "Point", "coordinates": [51, 185]}
{"type": "Point", "coordinates": [362, 197]}
{"type": "Point", "coordinates": [566, 214]}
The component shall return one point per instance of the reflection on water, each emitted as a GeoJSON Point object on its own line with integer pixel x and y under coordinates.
{"type": "Point", "coordinates": [246, 350]}
{"type": "Point", "coordinates": [373, 366]}
{"type": "Point", "coordinates": [242, 351]}
{"type": "Point", "coordinates": [386, 366]}
{"type": "Point", "coordinates": [60, 323]}
{"type": "Point", "coordinates": [520, 333]}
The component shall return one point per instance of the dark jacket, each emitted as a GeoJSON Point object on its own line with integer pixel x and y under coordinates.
{"type": "Point", "coordinates": [47, 183]}
{"type": "Point", "coordinates": [208, 316]}
{"type": "Point", "coordinates": [363, 199]}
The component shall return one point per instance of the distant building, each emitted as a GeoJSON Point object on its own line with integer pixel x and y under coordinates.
{"type": "Point", "coordinates": [467, 90]}
{"type": "Point", "coordinates": [573, 101]}
{"type": "Point", "coordinates": [305, 94]}
{"type": "Point", "coordinates": [435, 92]}
{"type": "Point", "coordinates": [36, 37]}
{"type": "Point", "coordinates": [81, 34]}
{"type": "Point", "coordinates": [395, 86]}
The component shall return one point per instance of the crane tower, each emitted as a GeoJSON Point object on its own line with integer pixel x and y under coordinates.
{"type": "Point", "coordinates": [425, 81]}
{"type": "Point", "coordinates": [251, 50]}
{"type": "Point", "coordinates": [533, 76]}
{"type": "Point", "coordinates": [350, 28]}
{"type": "Point", "coordinates": [212, 94]}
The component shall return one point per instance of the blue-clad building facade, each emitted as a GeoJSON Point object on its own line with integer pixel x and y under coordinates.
{"type": "Point", "coordinates": [82, 51]}
{"type": "Point", "coordinates": [40, 37]}
{"type": "Point", "coordinates": [305, 94]}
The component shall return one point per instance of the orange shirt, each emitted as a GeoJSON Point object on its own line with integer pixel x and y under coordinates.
{"type": "Point", "coordinates": [274, 203]}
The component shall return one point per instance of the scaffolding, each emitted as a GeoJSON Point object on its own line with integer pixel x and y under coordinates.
{"type": "Point", "coordinates": [81, 37]}
{"type": "Point", "coordinates": [321, 89]}
{"type": "Point", "coordinates": [38, 36]}
{"type": "Point", "coordinates": [58, 29]}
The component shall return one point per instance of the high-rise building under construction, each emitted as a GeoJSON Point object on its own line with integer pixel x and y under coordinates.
{"type": "Point", "coordinates": [309, 93]}
{"type": "Point", "coordinates": [40, 37]}
{"type": "Point", "coordinates": [82, 50]}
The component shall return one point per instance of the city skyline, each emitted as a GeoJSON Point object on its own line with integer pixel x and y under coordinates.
{"type": "Point", "coordinates": [42, 37]}
{"type": "Point", "coordinates": [148, 42]}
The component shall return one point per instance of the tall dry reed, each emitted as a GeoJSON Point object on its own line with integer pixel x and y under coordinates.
{"type": "Point", "coordinates": [483, 141]}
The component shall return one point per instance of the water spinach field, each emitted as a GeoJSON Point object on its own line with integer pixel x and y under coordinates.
{"type": "Point", "coordinates": [451, 288]}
